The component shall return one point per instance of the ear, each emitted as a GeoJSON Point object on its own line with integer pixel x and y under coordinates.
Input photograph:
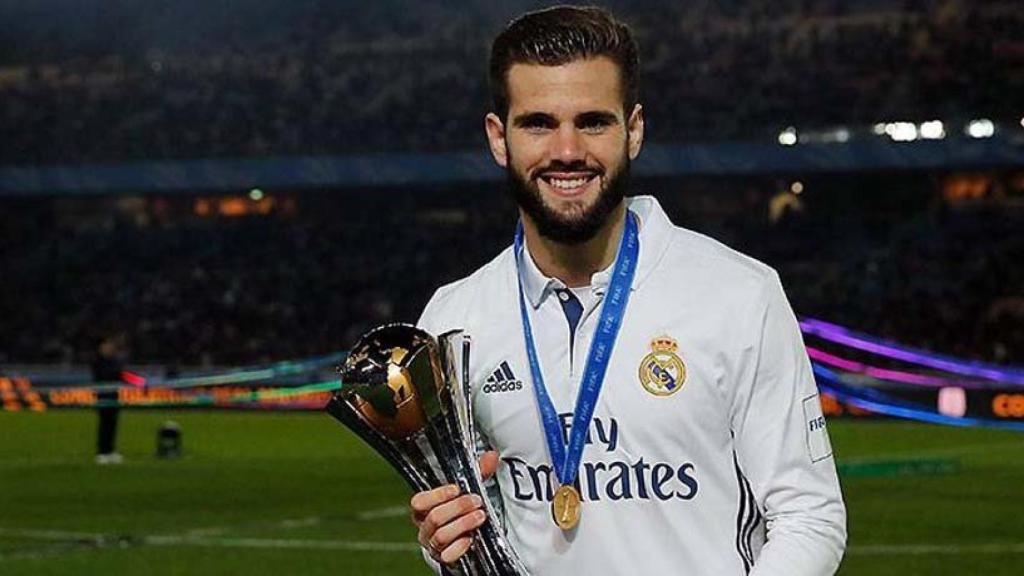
{"type": "Point", "coordinates": [496, 138]}
{"type": "Point", "coordinates": [635, 131]}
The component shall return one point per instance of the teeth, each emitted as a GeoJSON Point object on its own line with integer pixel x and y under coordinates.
{"type": "Point", "coordinates": [568, 184]}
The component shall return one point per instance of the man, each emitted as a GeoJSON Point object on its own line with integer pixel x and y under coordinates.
{"type": "Point", "coordinates": [107, 367]}
{"type": "Point", "coordinates": [699, 446]}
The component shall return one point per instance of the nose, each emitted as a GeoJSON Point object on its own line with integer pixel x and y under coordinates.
{"type": "Point", "coordinates": [567, 144]}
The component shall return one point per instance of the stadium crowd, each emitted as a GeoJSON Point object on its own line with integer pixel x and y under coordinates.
{"type": "Point", "coordinates": [322, 78]}
{"type": "Point", "coordinates": [191, 79]}
{"type": "Point", "coordinates": [227, 291]}
{"type": "Point", "coordinates": [191, 290]}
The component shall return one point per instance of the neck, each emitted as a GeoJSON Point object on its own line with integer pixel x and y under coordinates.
{"type": "Point", "coordinates": [574, 264]}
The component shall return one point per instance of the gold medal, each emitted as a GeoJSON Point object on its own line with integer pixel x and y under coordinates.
{"type": "Point", "coordinates": [565, 507]}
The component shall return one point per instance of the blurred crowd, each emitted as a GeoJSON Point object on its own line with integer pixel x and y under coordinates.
{"type": "Point", "coordinates": [188, 290]}
{"type": "Point", "coordinates": [918, 271]}
{"type": "Point", "coordinates": [324, 78]}
{"type": "Point", "coordinates": [193, 79]}
{"type": "Point", "coordinates": [219, 291]}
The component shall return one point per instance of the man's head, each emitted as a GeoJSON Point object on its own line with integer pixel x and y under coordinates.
{"type": "Point", "coordinates": [112, 344]}
{"type": "Point", "coordinates": [560, 35]}
{"type": "Point", "coordinates": [107, 346]}
{"type": "Point", "coordinates": [567, 122]}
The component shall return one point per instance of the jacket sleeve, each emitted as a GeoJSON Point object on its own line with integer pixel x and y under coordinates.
{"type": "Point", "coordinates": [441, 313]}
{"type": "Point", "coordinates": [783, 449]}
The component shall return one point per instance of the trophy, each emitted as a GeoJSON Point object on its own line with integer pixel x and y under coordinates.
{"type": "Point", "coordinates": [407, 396]}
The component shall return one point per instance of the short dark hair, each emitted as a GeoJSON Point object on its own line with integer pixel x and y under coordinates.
{"type": "Point", "coordinates": [559, 35]}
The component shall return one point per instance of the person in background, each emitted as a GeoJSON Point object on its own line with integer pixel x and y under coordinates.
{"type": "Point", "coordinates": [107, 368]}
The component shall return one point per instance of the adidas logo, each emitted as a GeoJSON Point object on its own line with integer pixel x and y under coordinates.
{"type": "Point", "coordinates": [502, 380]}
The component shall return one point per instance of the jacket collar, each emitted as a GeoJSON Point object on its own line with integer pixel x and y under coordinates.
{"type": "Point", "coordinates": [655, 231]}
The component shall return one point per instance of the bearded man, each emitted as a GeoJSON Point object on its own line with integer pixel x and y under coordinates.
{"type": "Point", "coordinates": [643, 391]}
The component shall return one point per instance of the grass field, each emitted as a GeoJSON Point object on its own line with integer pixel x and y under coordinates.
{"type": "Point", "coordinates": [276, 493]}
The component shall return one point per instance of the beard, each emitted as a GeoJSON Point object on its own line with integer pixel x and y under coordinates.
{"type": "Point", "coordinates": [571, 229]}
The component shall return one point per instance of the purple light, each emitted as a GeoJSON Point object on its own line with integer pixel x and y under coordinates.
{"type": "Point", "coordinates": [881, 404]}
{"type": "Point", "coordinates": [885, 374]}
{"type": "Point", "coordinates": [841, 335]}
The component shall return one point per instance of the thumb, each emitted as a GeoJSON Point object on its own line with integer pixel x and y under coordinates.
{"type": "Point", "coordinates": [488, 463]}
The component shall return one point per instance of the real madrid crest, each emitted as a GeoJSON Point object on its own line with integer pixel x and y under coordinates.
{"type": "Point", "coordinates": [662, 372]}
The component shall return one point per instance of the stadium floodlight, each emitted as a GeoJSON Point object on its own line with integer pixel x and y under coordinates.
{"type": "Point", "coordinates": [879, 129]}
{"type": "Point", "coordinates": [981, 128]}
{"type": "Point", "coordinates": [1022, 121]}
{"type": "Point", "coordinates": [901, 131]}
{"type": "Point", "coordinates": [788, 136]}
{"type": "Point", "coordinates": [932, 130]}
{"type": "Point", "coordinates": [838, 135]}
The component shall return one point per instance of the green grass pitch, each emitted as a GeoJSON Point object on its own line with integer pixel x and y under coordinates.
{"type": "Point", "coordinates": [286, 493]}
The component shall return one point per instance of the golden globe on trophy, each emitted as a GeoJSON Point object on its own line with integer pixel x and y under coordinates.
{"type": "Point", "coordinates": [406, 394]}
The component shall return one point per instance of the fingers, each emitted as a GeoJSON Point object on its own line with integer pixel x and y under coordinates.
{"type": "Point", "coordinates": [447, 513]}
{"type": "Point", "coordinates": [452, 553]}
{"type": "Point", "coordinates": [453, 539]}
{"type": "Point", "coordinates": [446, 521]}
{"type": "Point", "coordinates": [423, 502]}
{"type": "Point", "coordinates": [488, 464]}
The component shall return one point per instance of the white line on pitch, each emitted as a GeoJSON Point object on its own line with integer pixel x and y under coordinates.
{"type": "Point", "coordinates": [350, 545]}
{"type": "Point", "coordinates": [292, 523]}
{"type": "Point", "coordinates": [208, 531]}
{"type": "Point", "coordinates": [52, 534]}
{"type": "Point", "coordinates": [194, 539]}
{"type": "Point", "coordinates": [203, 532]}
{"type": "Point", "coordinates": [300, 522]}
{"type": "Point", "coordinates": [43, 462]}
{"type": "Point", "coordinates": [389, 512]}
{"type": "Point", "coordinates": [920, 549]}
{"type": "Point", "coordinates": [197, 540]}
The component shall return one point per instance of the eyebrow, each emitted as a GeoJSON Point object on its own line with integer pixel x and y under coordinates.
{"type": "Point", "coordinates": [597, 117]}
{"type": "Point", "coordinates": [533, 118]}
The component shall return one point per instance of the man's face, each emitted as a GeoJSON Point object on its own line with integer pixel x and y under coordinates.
{"type": "Point", "coordinates": [566, 145]}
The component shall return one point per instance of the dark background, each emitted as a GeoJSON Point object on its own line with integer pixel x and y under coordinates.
{"type": "Point", "coordinates": [926, 252]}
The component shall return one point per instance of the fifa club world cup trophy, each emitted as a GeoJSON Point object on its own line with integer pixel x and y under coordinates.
{"type": "Point", "coordinates": [407, 396]}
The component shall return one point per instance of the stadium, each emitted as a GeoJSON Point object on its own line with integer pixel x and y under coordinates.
{"type": "Point", "coordinates": [230, 194]}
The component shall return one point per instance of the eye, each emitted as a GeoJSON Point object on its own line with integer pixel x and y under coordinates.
{"type": "Point", "coordinates": [595, 124]}
{"type": "Point", "coordinates": [537, 125]}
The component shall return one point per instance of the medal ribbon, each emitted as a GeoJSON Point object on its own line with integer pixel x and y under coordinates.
{"type": "Point", "coordinates": [566, 459]}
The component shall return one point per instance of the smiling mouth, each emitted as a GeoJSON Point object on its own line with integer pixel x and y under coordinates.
{"type": "Point", "coordinates": [569, 183]}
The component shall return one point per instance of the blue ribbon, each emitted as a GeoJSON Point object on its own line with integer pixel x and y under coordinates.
{"type": "Point", "coordinates": [566, 459]}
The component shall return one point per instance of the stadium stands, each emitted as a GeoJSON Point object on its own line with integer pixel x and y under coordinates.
{"type": "Point", "coordinates": [189, 79]}
{"type": "Point", "coordinates": [321, 78]}
{"type": "Point", "coordinates": [195, 282]}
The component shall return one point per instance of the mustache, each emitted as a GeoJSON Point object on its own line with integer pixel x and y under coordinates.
{"type": "Point", "coordinates": [575, 166]}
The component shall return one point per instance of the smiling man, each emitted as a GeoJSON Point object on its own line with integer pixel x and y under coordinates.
{"type": "Point", "coordinates": [643, 391]}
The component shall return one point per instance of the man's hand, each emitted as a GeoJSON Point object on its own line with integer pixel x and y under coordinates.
{"type": "Point", "coordinates": [447, 521]}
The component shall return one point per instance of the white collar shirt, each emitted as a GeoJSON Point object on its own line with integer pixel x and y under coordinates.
{"type": "Point", "coordinates": [699, 458]}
